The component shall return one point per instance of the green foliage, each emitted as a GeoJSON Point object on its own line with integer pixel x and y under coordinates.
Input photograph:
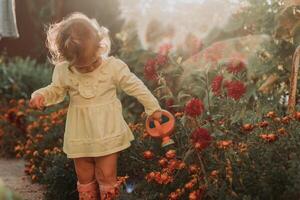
{"type": "Point", "coordinates": [254, 153]}
{"type": "Point", "coordinates": [20, 77]}
{"type": "Point", "coordinates": [60, 178]}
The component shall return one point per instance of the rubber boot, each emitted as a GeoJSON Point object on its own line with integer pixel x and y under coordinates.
{"type": "Point", "coordinates": [89, 191]}
{"type": "Point", "coordinates": [111, 192]}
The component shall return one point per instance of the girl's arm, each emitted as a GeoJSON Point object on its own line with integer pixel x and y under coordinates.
{"type": "Point", "coordinates": [133, 86]}
{"type": "Point", "coordinates": [55, 92]}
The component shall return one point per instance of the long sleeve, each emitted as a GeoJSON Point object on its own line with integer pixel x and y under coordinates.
{"type": "Point", "coordinates": [133, 86]}
{"type": "Point", "coordinates": [55, 92]}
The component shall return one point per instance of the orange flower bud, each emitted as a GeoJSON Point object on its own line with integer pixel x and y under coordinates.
{"type": "Point", "coordinates": [282, 131]}
{"type": "Point", "coordinates": [193, 168]}
{"type": "Point", "coordinates": [170, 154]}
{"type": "Point", "coordinates": [248, 127]}
{"type": "Point", "coordinates": [271, 114]}
{"type": "Point", "coordinates": [263, 124]}
{"type": "Point", "coordinates": [297, 116]}
{"type": "Point", "coordinates": [148, 154]}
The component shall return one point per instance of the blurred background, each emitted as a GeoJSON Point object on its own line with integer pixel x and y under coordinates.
{"type": "Point", "coordinates": [154, 21]}
{"type": "Point", "coordinates": [33, 16]}
{"type": "Point", "coordinates": [226, 69]}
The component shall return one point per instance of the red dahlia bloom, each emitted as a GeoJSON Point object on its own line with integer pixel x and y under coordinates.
{"type": "Point", "coordinates": [170, 102]}
{"type": "Point", "coordinates": [161, 59]}
{"type": "Point", "coordinates": [235, 89]}
{"type": "Point", "coordinates": [165, 48]}
{"type": "Point", "coordinates": [215, 52]}
{"type": "Point", "coordinates": [201, 138]}
{"type": "Point", "coordinates": [194, 107]}
{"type": "Point", "coordinates": [216, 85]}
{"type": "Point", "coordinates": [236, 66]}
{"type": "Point", "coordinates": [150, 72]}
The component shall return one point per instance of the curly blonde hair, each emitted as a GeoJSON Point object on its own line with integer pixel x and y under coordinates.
{"type": "Point", "coordinates": [74, 36]}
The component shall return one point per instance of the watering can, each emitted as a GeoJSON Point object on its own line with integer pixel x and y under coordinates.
{"type": "Point", "coordinates": [161, 129]}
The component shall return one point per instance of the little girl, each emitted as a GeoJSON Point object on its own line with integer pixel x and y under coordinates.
{"type": "Point", "coordinates": [95, 129]}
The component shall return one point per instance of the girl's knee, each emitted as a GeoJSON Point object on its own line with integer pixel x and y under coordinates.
{"type": "Point", "coordinates": [108, 176]}
{"type": "Point", "coordinates": [85, 170]}
{"type": "Point", "coordinates": [106, 179]}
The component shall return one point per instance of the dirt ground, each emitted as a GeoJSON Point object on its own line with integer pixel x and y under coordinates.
{"type": "Point", "coordinates": [13, 176]}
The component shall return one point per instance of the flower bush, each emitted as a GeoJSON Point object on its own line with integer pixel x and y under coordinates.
{"type": "Point", "coordinates": [227, 145]}
{"type": "Point", "coordinates": [231, 140]}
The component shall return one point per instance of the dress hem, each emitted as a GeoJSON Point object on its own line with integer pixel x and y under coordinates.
{"type": "Point", "coordinates": [78, 155]}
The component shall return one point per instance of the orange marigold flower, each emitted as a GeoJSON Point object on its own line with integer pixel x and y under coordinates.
{"type": "Point", "coordinates": [297, 116]}
{"type": "Point", "coordinates": [170, 154]}
{"type": "Point", "coordinates": [173, 164]}
{"type": "Point", "coordinates": [189, 185]}
{"type": "Point", "coordinates": [181, 165]}
{"type": "Point", "coordinates": [198, 194]}
{"type": "Point", "coordinates": [224, 144]}
{"type": "Point", "coordinates": [173, 196]}
{"type": "Point", "coordinates": [282, 131]}
{"type": "Point", "coordinates": [268, 137]}
{"type": "Point", "coordinates": [148, 154]}
{"type": "Point", "coordinates": [214, 173]}
{"type": "Point", "coordinates": [163, 162]}
{"type": "Point", "coordinates": [248, 127]}
{"type": "Point", "coordinates": [194, 168]}
{"type": "Point", "coordinates": [286, 120]}
{"type": "Point", "coordinates": [263, 124]}
{"type": "Point", "coordinates": [271, 114]}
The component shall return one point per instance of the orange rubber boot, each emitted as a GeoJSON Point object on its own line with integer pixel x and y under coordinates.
{"type": "Point", "coordinates": [89, 191]}
{"type": "Point", "coordinates": [109, 192]}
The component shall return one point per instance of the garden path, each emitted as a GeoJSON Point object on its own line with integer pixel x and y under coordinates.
{"type": "Point", "coordinates": [13, 176]}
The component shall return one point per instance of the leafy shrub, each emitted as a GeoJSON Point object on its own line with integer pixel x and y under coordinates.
{"type": "Point", "coordinates": [20, 77]}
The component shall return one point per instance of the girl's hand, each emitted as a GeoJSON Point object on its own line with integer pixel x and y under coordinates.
{"type": "Point", "coordinates": [38, 101]}
{"type": "Point", "coordinates": [156, 115]}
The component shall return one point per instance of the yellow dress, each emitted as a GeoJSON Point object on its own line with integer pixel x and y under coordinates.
{"type": "Point", "coordinates": [95, 125]}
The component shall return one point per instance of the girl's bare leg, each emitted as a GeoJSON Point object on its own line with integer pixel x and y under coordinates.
{"type": "Point", "coordinates": [106, 174]}
{"type": "Point", "coordinates": [87, 185]}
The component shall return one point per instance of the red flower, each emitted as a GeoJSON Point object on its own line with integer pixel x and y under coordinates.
{"type": "Point", "coordinates": [148, 154]}
{"type": "Point", "coordinates": [197, 194]}
{"type": "Point", "coordinates": [194, 107]}
{"type": "Point", "coordinates": [236, 66]}
{"type": "Point", "coordinates": [201, 138]}
{"type": "Point", "coordinates": [161, 59]}
{"type": "Point", "coordinates": [217, 84]}
{"type": "Point", "coordinates": [165, 48]}
{"type": "Point", "coordinates": [214, 53]}
{"type": "Point", "coordinates": [235, 89]}
{"type": "Point", "coordinates": [150, 72]}
{"type": "Point", "coordinates": [170, 102]}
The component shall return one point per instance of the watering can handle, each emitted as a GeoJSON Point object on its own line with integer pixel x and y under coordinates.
{"type": "Point", "coordinates": [157, 124]}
